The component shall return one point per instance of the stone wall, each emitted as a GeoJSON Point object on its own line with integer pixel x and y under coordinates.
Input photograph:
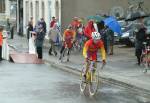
{"type": "Point", "coordinates": [83, 8]}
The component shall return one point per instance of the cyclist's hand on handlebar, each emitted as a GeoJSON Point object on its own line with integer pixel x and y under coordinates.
{"type": "Point", "coordinates": [104, 61]}
{"type": "Point", "coordinates": [86, 59]}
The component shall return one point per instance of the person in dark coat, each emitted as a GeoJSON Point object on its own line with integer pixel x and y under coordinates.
{"type": "Point", "coordinates": [110, 41]}
{"type": "Point", "coordinates": [40, 35]}
{"type": "Point", "coordinates": [30, 28]}
{"type": "Point", "coordinates": [43, 23]}
{"type": "Point", "coordinates": [102, 30]}
{"type": "Point", "coordinates": [140, 38]}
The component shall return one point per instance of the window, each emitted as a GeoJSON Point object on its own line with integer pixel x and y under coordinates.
{"type": "Point", "coordinates": [2, 6]}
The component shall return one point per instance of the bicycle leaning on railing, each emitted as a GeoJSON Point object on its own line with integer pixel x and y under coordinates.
{"type": "Point", "coordinates": [92, 78]}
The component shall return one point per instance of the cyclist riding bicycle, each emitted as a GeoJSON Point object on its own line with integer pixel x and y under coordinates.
{"type": "Point", "coordinates": [90, 50]}
{"type": "Point", "coordinates": [68, 39]}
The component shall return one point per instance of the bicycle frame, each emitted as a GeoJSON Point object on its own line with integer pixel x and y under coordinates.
{"type": "Point", "coordinates": [145, 57]}
{"type": "Point", "coordinates": [92, 76]}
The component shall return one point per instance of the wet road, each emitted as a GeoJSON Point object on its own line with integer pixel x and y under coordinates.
{"type": "Point", "coordinates": [21, 83]}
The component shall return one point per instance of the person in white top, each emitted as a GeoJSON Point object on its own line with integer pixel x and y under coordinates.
{"type": "Point", "coordinates": [53, 35]}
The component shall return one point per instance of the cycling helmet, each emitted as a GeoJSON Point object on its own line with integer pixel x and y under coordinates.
{"type": "Point", "coordinates": [96, 36]}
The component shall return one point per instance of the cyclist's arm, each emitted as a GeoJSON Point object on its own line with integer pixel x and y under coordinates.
{"type": "Point", "coordinates": [64, 35]}
{"type": "Point", "coordinates": [102, 50]}
{"type": "Point", "coordinates": [74, 35]}
{"type": "Point", "coordinates": [103, 53]}
{"type": "Point", "coordinates": [85, 50]}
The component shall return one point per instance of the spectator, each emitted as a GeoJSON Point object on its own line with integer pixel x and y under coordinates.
{"type": "Point", "coordinates": [140, 38]}
{"type": "Point", "coordinates": [52, 22]}
{"type": "Point", "coordinates": [110, 41]}
{"type": "Point", "coordinates": [53, 34]}
{"type": "Point", "coordinates": [40, 35]}
{"type": "Point", "coordinates": [30, 27]}
{"type": "Point", "coordinates": [89, 28]}
{"type": "Point", "coordinates": [1, 42]}
{"type": "Point", "coordinates": [8, 25]}
{"type": "Point", "coordinates": [43, 23]}
{"type": "Point", "coordinates": [102, 30]}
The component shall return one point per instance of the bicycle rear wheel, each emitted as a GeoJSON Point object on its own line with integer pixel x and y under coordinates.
{"type": "Point", "coordinates": [82, 83]}
{"type": "Point", "coordinates": [93, 85]}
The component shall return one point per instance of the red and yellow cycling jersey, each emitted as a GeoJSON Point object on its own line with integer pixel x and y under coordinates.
{"type": "Point", "coordinates": [69, 37]}
{"type": "Point", "coordinates": [90, 50]}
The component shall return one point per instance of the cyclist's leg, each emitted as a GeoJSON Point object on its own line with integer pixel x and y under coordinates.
{"type": "Point", "coordinates": [61, 52]}
{"type": "Point", "coordinates": [93, 65]}
{"type": "Point", "coordinates": [53, 48]}
{"type": "Point", "coordinates": [86, 68]}
{"type": "Point", "coordinates": [68, 54]}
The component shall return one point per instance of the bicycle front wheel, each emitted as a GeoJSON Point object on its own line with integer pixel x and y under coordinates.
{"type": "Point", "coordinates": [93, 85]}
{"type": "Point", "coordinates": [82, 83]}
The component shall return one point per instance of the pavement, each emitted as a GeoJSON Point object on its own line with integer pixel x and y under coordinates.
{"type": "Point", "coordinates": [121, 67]}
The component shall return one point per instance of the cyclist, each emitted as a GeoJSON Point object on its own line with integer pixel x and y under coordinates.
{"type": "Point", "coordinates": [68, 39]}
{"type": "Point", "coordinates": [90, 51]}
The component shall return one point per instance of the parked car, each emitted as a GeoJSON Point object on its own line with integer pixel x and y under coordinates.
{"type": "Point", "coordinates": [128, 34]}
{"type": "Point", "coordinates": [116, 36]}
{"type": "Point", "coordinates": [147, 25]}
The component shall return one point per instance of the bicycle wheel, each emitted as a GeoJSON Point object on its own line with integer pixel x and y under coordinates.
{"type": "Point", "coordinates": [144, 61]}
{"type": "Point", "coordinates": [93, 85]}
{"type": "Point", "coordinates": [82, 83]}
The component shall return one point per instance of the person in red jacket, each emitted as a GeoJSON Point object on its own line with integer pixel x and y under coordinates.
{"type": "Point", "coordinates": [89, 28]}
{"type": "Point", "coordinates": [1, 42]}
{"type": "Point", "coordinates": [52, 22]}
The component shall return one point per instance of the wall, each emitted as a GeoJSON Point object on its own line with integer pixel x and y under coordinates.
{"type": "Point", "coordinates": [83, 8]}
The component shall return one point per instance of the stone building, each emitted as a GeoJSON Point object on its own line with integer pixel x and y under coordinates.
{"type": "Point", "coordinates": [40, 9]}
{"type": "Point", "coordinates": [8, 10]}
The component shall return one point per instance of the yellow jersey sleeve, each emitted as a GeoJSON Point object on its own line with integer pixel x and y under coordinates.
{"type": "Point", "coordinates": [64, 35]}
{"type": "Point", "coordinates": [85, 50]}
{"type": "Point", "coordinates": [103, 53]}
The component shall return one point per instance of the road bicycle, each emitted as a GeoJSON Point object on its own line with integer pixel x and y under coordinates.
{"type": "Point", "coordinates": [92, 80]}
{"type": "Point", "coordinates": [145, 57]}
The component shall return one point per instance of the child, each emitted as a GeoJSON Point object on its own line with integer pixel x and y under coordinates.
{"type": "Point", "coordinates": [1, 42]}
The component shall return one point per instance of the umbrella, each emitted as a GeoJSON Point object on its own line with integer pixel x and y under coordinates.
{"type": "Point", "coordinates": [112, 23]}
{"type": "Point", "coordinates": [97, 18]}
{"type": "Point", "coordinates": [136, 15]}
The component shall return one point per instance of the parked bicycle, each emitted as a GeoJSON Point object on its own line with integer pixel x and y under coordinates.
{"type": "Point", "coordinates": [145, 57]}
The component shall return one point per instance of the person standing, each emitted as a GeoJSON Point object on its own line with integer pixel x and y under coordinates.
{"type": "Point", "coordinates": [89, 28]}
{"type": "Point", "coordinates": [30, 27]}
{"type": "Point", "coordinates": [139, 39]}
{"type": "Point", "coordinates": [53, 34]}
{"type": "Point", "coordinates": [40, 35]}
{"type": "Point", "coordinates": [43, 23]}
{"type": "Point", "coordinates": [52, 22]}
{"type": "Point", "coordinates": [110, 41]}
{"type": "Point", "coordinates": [102, 30]}
{"type": "Point", "coordinates": [1, 42]}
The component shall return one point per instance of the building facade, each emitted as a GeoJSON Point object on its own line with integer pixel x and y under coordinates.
{"type": "Point", "coordinates": [39, 9]}
{"type": "Point", "coordinates": [8, 10]}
